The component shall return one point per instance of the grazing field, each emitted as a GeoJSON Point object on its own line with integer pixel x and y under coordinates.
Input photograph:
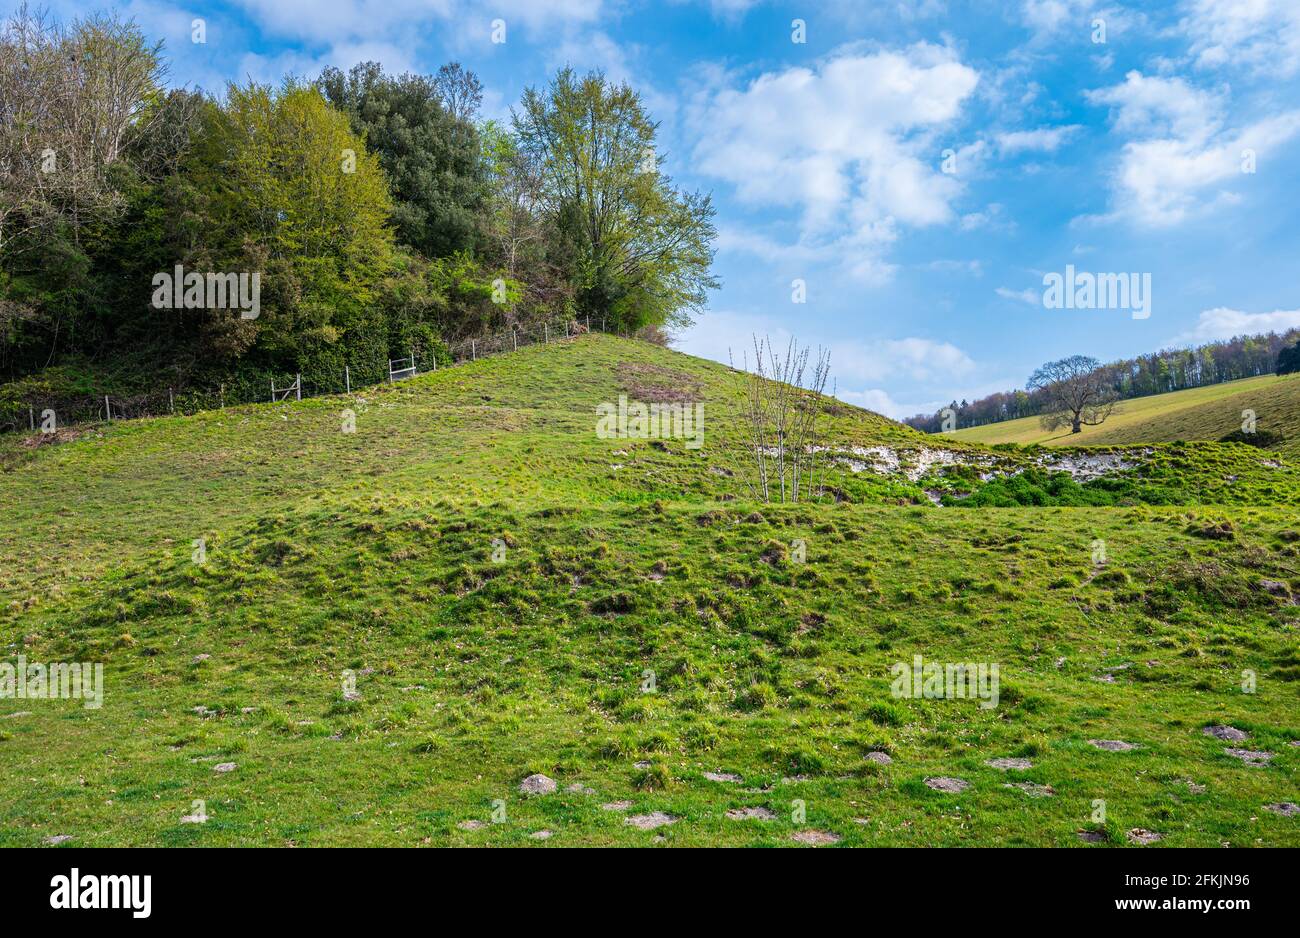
{"type": "Point", "coordinates": [387, 631]}
{"type": "Point", "coordinates": [1208, 413]}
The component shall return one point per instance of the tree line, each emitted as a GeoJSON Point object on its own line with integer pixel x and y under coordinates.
{"type": "Point", "coordinates": [380, 212]}
{"type": "Point", "coordinates": [1142, 376]}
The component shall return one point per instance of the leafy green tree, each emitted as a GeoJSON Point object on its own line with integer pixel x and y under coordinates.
{"type": "Point", "coordinates": [637, 250]}
{"type": "Point", "coordinates": [280, 184]}
{"type": "Point", "coordinates": [430, 155]}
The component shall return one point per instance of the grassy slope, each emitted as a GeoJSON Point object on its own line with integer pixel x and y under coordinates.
{"type": "Point", "coordinates": [1208, 413]}
{"type": "Point", "coordinates": [330, 551]}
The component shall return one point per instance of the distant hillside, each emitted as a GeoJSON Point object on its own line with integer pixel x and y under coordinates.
{"type": "Point", "coordinates": [1209, 413]}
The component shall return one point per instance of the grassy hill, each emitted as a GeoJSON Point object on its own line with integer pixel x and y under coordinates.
{"type": "Point", "coordinates": [1208, 413]}
{"type": "Point", "coordinates": [513, 595]}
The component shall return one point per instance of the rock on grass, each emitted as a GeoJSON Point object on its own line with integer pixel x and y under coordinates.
{"type": "Point", "coordinates": [1225, 732]}
{"type": "Point", "coordinates": [537, 785]}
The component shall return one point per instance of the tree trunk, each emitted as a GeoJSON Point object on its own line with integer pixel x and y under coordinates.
{"type": "Point", "coordinates": [1075, 424]}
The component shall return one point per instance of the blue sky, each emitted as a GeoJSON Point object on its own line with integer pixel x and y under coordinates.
{"type": "Point", "coordinates": [826, 158]}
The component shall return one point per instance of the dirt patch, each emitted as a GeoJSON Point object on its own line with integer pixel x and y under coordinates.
{"type": "Point", "coordinates": [1113, 745]}
{"type": "Point", "coordinates": [1250, 756]}
{"type": "Point", "coordinates": [1004, 764]}
{"type": "Point", "coordinates": [815, 838]}
{"type": "Point", "coordinates": [953, 786]}
{"type": "Point", "coordinates": [1140, 835]}
{"type": "Point", "coordinates": [751, 814]}
{"type": "Point", "coordinates": [1032, 789]}
{"type": "Point", "coordinates": [53, 438]}
{"type": "Point", "coordinates": [654, 384]}
{"type": "Point", "coordinates": [616, 806]}
{"type": "Point", "coordinates": [722, 777]}
{"type": "Point", "coordinates": [648, 822]}
{"type": "Point", "coordinates": [1286, 809]}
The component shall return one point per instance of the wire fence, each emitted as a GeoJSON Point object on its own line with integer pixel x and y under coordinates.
{"type": "Point", "coordinates": [53, 413]}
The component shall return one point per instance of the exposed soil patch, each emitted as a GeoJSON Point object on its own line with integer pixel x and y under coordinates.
{"type": "Point", "coordinates": [1250, 756]}
{"type": "Point", "coordinates": [953, 786]}
{"type": "Point", "coordinates": [654, 384]}
{"type": "Point", "coordinates": [648, 822]}
{"type": "Point", "coordinates": [1113, 745]}
{"type": "Point", "coordinates": [815, 838]}
{"type": "Point", "coordinates": [1018, 764]}
{"type": "Point", "coordinates": [1033, 789]}
{"type": "Point", "coordinates": [751, 814]}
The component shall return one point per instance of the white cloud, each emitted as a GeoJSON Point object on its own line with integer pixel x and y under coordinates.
{"type": "Point", "coordinates": [851, 144]}
{"type": "Point", "coordinates": [1224, 323]}
{"type": "Point", "coordinates": [726, 336]}
{"type": "Point", "coordinates": [1044, 139]}
{"type": "Point", "coordinates": [1261, 35]}
{"type": "Point", "coordinates": [1181, 149]}
{"type": "Point", "coordinates": [1028, 295]}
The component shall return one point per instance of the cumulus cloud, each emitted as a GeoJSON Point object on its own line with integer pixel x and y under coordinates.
{"type": "Point", "coordinates": [727, 336]}
{"type": "Point", "coordinates": [1261, 35]}
{"type": "Point", "coordinates": [850, 144]}
{"type": "Point", "coordinates": [1182, 157]}
{"type": "Point", "coordinates": [1224, 323]}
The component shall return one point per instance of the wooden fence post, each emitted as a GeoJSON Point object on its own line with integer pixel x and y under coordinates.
{"type": "Point", "coordinates": [347, 379]}
{"type": "Point", "coordinates": [171, 402]}
{"type": "Point", "coordinates": [546, 333]}
{"type": "Point", "coordinates": [31, 417]}
{"type": "Point", "coordinates": [298, 385]}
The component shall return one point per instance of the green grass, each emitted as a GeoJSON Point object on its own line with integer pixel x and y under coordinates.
{"type": "Point", "coordinates": [373, 553]}
{"type": "Point", "coordinates": [1208, 413]}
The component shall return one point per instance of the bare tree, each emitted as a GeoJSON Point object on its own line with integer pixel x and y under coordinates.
{"type": "Point", "coordinates": [68, 98]}
{"type": "Point", "coordinates": [1077, 393]}
{"type": "Point", "coordinates": [782, 414]}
